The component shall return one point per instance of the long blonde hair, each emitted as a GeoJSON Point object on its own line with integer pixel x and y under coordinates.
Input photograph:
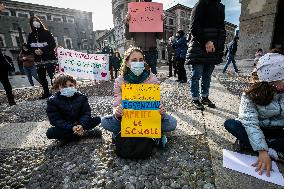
{"type": "Point", "coordinates": [127, 54]}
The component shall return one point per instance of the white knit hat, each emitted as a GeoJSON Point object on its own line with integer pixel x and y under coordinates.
{"type": "Point", "coordinates": [270, 67]}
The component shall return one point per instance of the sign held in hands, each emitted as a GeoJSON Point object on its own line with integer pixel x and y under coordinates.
{"type": "Point", "coordinates": [141, 116]}
{"type": "Point", "coordinates": [145, 17]}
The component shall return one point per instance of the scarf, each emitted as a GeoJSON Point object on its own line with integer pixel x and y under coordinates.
{"type": "Point", "coordinates": [131, 78]}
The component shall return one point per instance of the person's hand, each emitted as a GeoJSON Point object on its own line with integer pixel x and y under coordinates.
{"type": "Point", "coordinates": [163, 17]}
{"type": "Point", "coordinates": [210, 47]}
{"type": "Point", "coordinates": [128, 17]}
{"type": "Point", "coordinates": [263, 163]}
{"type": "Point", "coordinates": [78, 129]}
{"type": "Point", "coordinates": [162, 110]}
{"type": "Point", "coordinates": [2, 7]}
{"type": "Point", "coordinates": [24, 58]}
{"type": "Point", "coordinates": [38, 52]}
{"type": "Point", "coordinates": [118, 112]}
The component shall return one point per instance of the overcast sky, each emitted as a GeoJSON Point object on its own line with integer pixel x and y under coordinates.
{"type": "Point", "coordinates": [102, 11]}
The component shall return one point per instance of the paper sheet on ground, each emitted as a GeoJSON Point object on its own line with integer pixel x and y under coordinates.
{"type": "Point", "coordinates": [242, 163]}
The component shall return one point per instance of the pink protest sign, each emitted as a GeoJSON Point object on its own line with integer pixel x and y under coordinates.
{"type": "Point", "coordinates": [145, 17]}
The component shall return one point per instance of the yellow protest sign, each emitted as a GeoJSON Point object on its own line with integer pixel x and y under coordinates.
{"type": "Point", "coordinates": [141, 116]}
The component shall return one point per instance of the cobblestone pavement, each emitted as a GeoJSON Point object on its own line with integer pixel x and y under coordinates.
{"type": "Point", "coordinates": [193, 158]}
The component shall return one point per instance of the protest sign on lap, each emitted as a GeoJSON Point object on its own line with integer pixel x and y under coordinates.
{"type": "Point", "coordinates": [83, 65]}
{"type": "Point", "coordinates": [141, 116]}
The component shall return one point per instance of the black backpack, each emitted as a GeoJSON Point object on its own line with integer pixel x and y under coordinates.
{"type": "Point", "coordinates": [133, 147]}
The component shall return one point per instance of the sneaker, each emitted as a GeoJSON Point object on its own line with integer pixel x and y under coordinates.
{"type": "Point", "coordinates": [197, 104]}
{"type": "Point", "coordinates": [12, 103]}
{"type": "Point", "coordinates": [93, 133]}
{"type": "Point", "coordinates": [207, 102]}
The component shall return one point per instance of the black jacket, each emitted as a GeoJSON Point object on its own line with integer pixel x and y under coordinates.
{"type": "Point", "coordinates": [43, 40]}
{"type": "Point", "coordinates": [207, 24]}
{"type": "Point", "coordinates": [64, 112]}
{"type": "Point", "coordinates": [232, 48]}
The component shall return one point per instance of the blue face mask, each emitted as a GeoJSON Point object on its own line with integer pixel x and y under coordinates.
{"type": "Point", "coordinates": [68, 92]}
{"type": "Point", "coordinates": [137, 67]}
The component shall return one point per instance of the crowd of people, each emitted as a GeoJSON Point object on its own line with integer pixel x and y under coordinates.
{"type": "Point", "coordinates": [260, 123]}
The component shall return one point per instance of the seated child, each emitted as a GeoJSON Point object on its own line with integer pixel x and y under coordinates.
{"type": "Point", "coordinates": [69, 112]}
{"type": "Point", "coordinates": [260, 122]}
{"type": "Point", "coordinates": [134, 70]}
{"type": "Point", "coordinates": [258, 55]}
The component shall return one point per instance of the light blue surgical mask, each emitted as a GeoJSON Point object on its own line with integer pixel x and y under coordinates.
{"type": "Point", "coordinates": [137, 67]}
{"type": "Point", "coordinates": [68, 92]}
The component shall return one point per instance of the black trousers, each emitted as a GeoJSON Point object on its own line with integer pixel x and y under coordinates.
{"type": "Point", "coordinates": [68, 134]}
{"type": "Point", "coordinates": [41, 71]}
{"type": "Point", "coordinates": [181, 70]}
{"type": "Point", "coordinates": [172, 65]}
{"type": "Point", "coordinates": [7, 86]}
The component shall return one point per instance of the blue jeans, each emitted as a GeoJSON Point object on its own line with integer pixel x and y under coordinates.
{"type": "Point", "coordinates": [203, 71]}
{"type": "Point", "coordinates": [151, 59]}
{"type": "Point", "coordinates": [231, 58]}
{"type": "Point", "coordinates": [274, 137]}
{"type": "Point", "coordinates": [61, 134]}
{"type": "Point", "coordinates": [111, 124]}
{"type": "Point", "coordinates": [31, 72]}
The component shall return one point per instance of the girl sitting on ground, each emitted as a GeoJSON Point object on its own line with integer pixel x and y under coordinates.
{"type": "Point", "coordinates": [134, 70]}
{"type": "Point", "coordinates": [260, 122]}
{"type": "Point", "coordinates": [69, 112]}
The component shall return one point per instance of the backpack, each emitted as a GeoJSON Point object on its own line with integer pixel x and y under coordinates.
{"type": "Point", "coordinates": [133, 147]}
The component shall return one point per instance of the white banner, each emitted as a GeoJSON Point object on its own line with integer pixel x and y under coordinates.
{"type": "Point", "coordinates": [83, 65]}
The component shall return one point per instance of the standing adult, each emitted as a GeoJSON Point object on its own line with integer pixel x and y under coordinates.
{"type": "Point", "coordinates": [5, 67]}
{"type": "Point", "coordinates": [4, 70]}
{"type": "Point", "coordinates": [171, 58]}
{"type": "Point", "coordinates": [28, 64]}
{"type": "Point", "coordinates": [147, 41]}
{"type": "Point", "coordinates": [231, 50]}
{"type": "Point", "coordinates": [42, 44]}
{"type": "Point", "coordinates": [206, 47]}
{"type": "Point", "coordinates": [116, 63]}
{"type": "Point", "coordinates": [180, 45]}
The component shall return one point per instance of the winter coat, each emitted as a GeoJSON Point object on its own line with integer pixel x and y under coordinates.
{"type": "Point", "coordinates": [207, 24]}
{"type": "Point", "coordinates": [43, 40]}
{"type": "Point", "coordinates": [116, 62]}
{"type": "Point", "coordinates": [180, 45]}
{"type": "Point", "coordinates": [65, 112]}
{"type": "Point", "coordinates": [27, 59]}
{"type": "Point", "coordinates": [254, 117]}
{"type": "Point", "coordinates": [232, 48]}
{"type": "Point", "coordinates": [118, 90]}
{"type": "Point", "coordinates": [147, 41]}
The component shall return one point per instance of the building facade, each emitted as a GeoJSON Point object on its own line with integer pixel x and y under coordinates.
{"type": "Point", "coordinates": [261, 26]}
{"type": "Point", "coordinates": [104, 37]}
{"type": "Point", "coordinates": [71, 29]}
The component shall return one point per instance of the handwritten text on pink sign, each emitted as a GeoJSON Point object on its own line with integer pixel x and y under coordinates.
{"type": "Point", "coordinates": [145, 17]}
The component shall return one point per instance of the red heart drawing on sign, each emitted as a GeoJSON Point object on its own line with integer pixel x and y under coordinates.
{"type": "Point", "coordinates": [103, 74]}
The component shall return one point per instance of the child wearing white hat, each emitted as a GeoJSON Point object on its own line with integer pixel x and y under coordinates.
{"type": "Point", "coordinates": [260, 123]}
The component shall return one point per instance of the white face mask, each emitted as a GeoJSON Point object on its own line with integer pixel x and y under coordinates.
{"type": "Point", "coordinates": [68, 91]}
{"type": "Point", "coordinates": [137, 67]}
{"type": "Point", "coordinates": [36, 24]}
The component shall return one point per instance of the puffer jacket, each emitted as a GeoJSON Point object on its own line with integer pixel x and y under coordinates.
{"type": "Point", "coordinates": [180, 45]}
{"type": "Point", "coordinates": [152, 79]}
{"type": "Point", "coordinates": [207, 24]}
{"type": "Point", "coordinates": [253, 117]}
{"type": "Point", "coordinates": [64, 112]}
